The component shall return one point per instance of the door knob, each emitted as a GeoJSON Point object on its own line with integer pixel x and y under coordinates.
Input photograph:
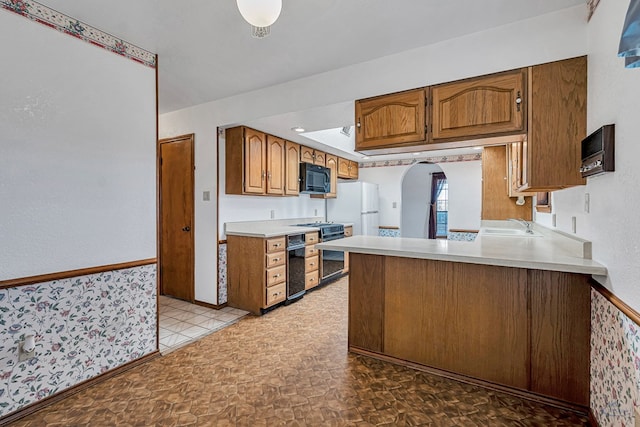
{"type": "Point", "coordinates": [187, 228]}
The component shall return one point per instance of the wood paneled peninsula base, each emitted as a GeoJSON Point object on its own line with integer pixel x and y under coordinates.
{"type": "Point", "coordinates": [518, 329]}
{"type": "Point", "coordinates": [509, 312]}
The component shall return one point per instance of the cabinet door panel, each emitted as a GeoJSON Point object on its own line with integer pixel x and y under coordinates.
{"type": "Point", "coordinates": [481, 106]}
{"type": "Point", "coordinates": [255, 162]}
{"type": "Point", "coordinates": [306, 154]}
{"type": "Point", "coordinates": [343, 168]}
{"type": "Point", "coordinates": [292, 169]}
{"type": "Point", "coordinates": [275, 165]}
{"type": "Point", "coordinates": [319, 158]}
{"type": "Point", "coordinates": [353, 169]}
{"type": "Point", "coordinates": [557, 125]}
{"type": "Point", "coordinates": [396, 119]}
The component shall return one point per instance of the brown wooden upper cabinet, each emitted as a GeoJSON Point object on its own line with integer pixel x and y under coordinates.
{"type": "Point", "coordinates": [479, 107]}
{"type": "Point", "coordinates": [292, 169]}
{"type": "Point", "coordinates": [309, 155]}
{"type": "Point", "coordinates": [332, 164]}
{"type": "Point", "coordinates": [557, 116]}
{"type": "Point", "coordinates": [254, 162]}
{"type": "Point", "coordinates": [393, 120]}
{"type": "Point", "coordinates": [275, 165]}
{"type": "Point", "coordinates": [347, 169]}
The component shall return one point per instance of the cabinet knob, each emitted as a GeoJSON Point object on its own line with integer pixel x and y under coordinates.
{"type": "Point", "coordinates": [518, 101]}
{"type": "Point", "coordinates": [358, 125]}
{"type": "Point", "coordinates": [263, 174]}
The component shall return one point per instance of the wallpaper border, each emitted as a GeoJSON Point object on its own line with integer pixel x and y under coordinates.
{"type": "Point", "coordinates": [66, 24]}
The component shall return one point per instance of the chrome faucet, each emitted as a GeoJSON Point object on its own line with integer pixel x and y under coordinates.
{"type": "Point", "coordinates": [526, 224]}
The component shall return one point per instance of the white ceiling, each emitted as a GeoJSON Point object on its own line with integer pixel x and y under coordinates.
{"type": "Point", "coordinates": [206, 52]}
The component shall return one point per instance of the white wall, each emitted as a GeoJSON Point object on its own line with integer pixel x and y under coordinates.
{"type": "Point", "coordinates": [550, 37]}
{"type": "Point", "coordinates": [465, 194]}
{"type": "Point", "coordinates": [389, 180]}
{"type": "Point", "coordinates": [77, 153]}
{"type": "Point", "coordinates": [612, 223]}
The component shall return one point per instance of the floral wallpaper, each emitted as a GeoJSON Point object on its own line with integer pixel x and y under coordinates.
{"type": "Point", "coordinates": [615, 364]}
{"type": "Point", "coordinates": [222, 273]}
{"type": "Point", "coordinates": [83, 326]}
{"type": "Point", "coordinates": [51, 18]}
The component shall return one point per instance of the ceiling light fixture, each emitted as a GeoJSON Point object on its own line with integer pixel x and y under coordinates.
{"type": "Point", "coordinates": [297, 129]}
{"type": "Point", "coordinates": [261, 14]}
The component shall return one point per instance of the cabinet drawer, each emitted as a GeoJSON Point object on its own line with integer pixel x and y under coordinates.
{"type": "Point", "coordinates": [310, 251]}
{"type": "Point", "coordinates": [275, 259]}
{"type": "Point", "coordinates": [311, 263]}
{"type": "Point", "coordinates": [276, 293]}
{"type": "Point", "coordinates": [276, 244]}
{"type": "Point", "coordinates": [276, 275]}
{"type": "Point", "coordinates": [348, 231]}
{"type": "Point", "coordinates": [311, 238]}
{"type": "Point", "coordinates": [311, 279]}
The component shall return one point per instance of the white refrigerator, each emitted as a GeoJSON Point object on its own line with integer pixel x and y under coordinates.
{"type": "Point", "coordinates": [357, 203]}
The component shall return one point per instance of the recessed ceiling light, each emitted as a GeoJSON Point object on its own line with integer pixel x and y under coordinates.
{"type": "Point", "coordinates": [478, 148]}
{"type": "Point", "coordinates": [416, 154]}
{"type": "Point", "coordinates": [297, 129]}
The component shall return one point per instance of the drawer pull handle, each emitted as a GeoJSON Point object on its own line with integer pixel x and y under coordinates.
{"type": "Point", "coordinates": [275, 276]}
{"type": "Point", "coordinates": [312, 264]}
{"type": "Point", "coordinates": [276, 259]}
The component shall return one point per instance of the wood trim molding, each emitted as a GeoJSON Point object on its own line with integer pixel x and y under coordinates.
{"type": "Point", "coordinates": [36, 406]}
{"type": "Point", "coordinates": [468, 380]}
{"type": "Point", "coordinates": [617, 302]}
{"type": "Point", "coordinates": [209, 305]}
{"type": "Point", "coordinates": [388, 227]}
{"type": "Point", "coordinates": [21, 281]}
{"type": "Point", "coordinates": [460, 230]}
{"type": "Point", "coordinates": [593, 421]}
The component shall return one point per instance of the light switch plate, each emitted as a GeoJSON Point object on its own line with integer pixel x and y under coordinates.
{"type": "Point", "coordinates": [206, 196]}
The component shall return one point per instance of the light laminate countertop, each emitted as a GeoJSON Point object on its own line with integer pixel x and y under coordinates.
{"type": "Point", "coordinates": [267, 229]}
{"type": "Point", "coordinates": [541, 253]}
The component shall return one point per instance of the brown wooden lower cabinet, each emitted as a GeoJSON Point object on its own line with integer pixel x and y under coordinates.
{"type": "Point", "coordinates": [524, 329]}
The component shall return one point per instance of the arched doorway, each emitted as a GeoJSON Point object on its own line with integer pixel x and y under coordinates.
{"type": "Point", "coordinates": [424, 192]}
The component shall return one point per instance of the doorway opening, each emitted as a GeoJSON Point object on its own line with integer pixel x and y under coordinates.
{"type": "Point", "coordinates": [425, 202]}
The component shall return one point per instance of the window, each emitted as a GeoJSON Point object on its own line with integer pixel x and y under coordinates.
{"type": "Point", "coordinates": [442, 211]}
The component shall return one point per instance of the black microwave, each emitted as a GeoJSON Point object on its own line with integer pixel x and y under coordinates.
{"type": "Point", "coordinates": [314, 179]}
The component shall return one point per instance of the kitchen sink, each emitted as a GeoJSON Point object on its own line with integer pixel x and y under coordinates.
{"type": "Point", "coordinates": [515, 232]}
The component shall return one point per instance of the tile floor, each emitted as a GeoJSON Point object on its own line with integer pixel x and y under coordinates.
{"type": "Point", "coordinates": [289, 367]}
{"type": "Point", "coordinates": [182, 322]}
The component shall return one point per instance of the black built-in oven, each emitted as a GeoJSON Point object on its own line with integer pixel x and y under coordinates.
{"type": "Point", "coordinates": [332, 261]}
{"type": "Point", "coordinates": [295, 267]}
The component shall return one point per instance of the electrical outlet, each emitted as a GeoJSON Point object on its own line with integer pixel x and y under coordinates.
{"type": "Point", "coordinates": [394, 205]}
{"type": "Point", "coordinates": [586, 202]}
{"type": "Point", "coordinates": [315, 212]}
{"type": "Point", "coordinates": [553, 220]}
{"type": "Point", "coordinates": [273, 214]}
{"type": "Point", "coordinates": [206, 196]}
{"type": "Point", "coordinates": [573, 224]}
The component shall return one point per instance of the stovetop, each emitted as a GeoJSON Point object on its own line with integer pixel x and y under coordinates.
{"type": "Point", "coordinates": [326, 228]}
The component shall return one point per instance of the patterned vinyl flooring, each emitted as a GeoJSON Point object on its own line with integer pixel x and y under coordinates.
{"type": "Point", "coordinates": [289, 367]}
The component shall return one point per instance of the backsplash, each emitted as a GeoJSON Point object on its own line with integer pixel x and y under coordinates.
{"type": "Point", "coordinates": [462, 236]}
{"type": "Point", "coordinates": [615, 363]}
{"type": "Point", "coordinates": [83, 327]}
{"type": "Point", "coordinates": [389, 232]}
